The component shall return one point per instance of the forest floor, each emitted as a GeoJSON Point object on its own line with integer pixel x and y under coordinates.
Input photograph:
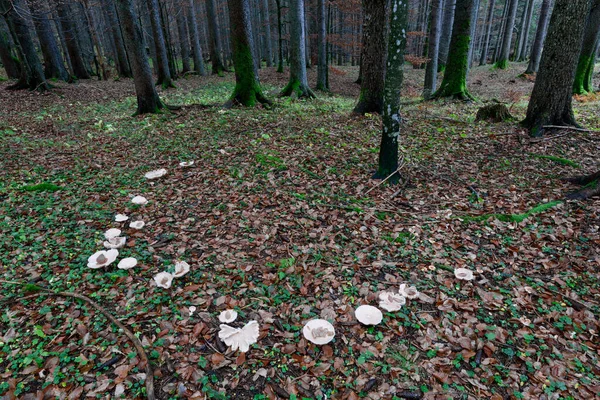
{"type": "Point", "coordinates": [279, 219]}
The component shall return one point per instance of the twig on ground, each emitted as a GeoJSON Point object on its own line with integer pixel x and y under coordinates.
{"type": "Point", "coordinates": [388, 177]}
{"type": "Point", "coordinates": [570, 128]}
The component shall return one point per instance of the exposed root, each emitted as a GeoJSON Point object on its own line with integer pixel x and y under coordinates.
{"type": "Point", "coordinates": [591, 187]}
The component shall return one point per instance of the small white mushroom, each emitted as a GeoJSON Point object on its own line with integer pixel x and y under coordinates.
{"type": "Point", "coordinates": [137, 224]}
{"type": "Point", "coordinates": [127, 263]}
{"type": "Point", "coordinates": [192, 310]}
{"type": "Point", "coordinates": [102, 258]}
{"type": "Point", "coordinates": [318, 331]}
{"type": "Point", "coordinates": [121, 217]}
{"type": "Point", "coordinates": [157, 173]}
{"type": "Point", "coordinates": [410, 292]}
{"type": "Point", "coordinates": [239, 338]}
{"type": "Point", "coordinates": [181, 268]}
{"type": "Point", "coordinates": [112, 233]}
{"type": "Point", "coordinates": [228, 316]}
{"type": "Point", "coordinates": [115, 242]}
{"type": "Point", "coordinates": [368, 315]}
{"type": "Point", "coordinates": [391, 301]}
{"type": "Point", "coordinates": [163, 280]}
{"type": "Point", "coordinates": [140, 200]}
{"type": "Point", "coordinates": [463, 274]}
{"type": "Point", "coordinates": [186, 163]}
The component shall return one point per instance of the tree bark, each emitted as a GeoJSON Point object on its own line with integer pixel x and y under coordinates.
{"type": "Point", "coordinates": [69, 31]}
{"type": "Point", "coordinates": [216, 48]}
{"type": "Point", "coordinates": [431, 70]}
{"type": "Point", "coordinates": [195, 39]}
{"type": "Point", "coordinates": [587, 57]}
{"type": "Point", "coordinates": [524, 38]}
{"type": "Point", "coordinates": [53, 63]}
{"type": "Point", "coordinates": [373, 55]}
{"type": "Point", "coordinates": [322, 69]}
{"type": "Point", "coordinates": [488, 33]}
{"type": "Point", "coordinates": [184, 46]}
{"type": "Point", "coordinates": [540, 36]}
{"type": "Point", "coordinates": [279, 37]}
{"type": "Point", "coordinates": [502, 62]}
{"type": "Point", "coordinates": [551, 99]}
{"type": "Point", "coordinates": [164, 73]}
{"type": "Point", "coordinates": [267, 27]}
{"type": "Point", "coordinates": [121, 60]}
{"type": "Point", "coordinates": [447, 23]}
{"type": "Point", "coordinates": [9, 61]}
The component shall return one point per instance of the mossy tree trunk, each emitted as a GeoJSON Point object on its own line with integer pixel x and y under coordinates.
{"type": "Point", "coordinates": [322, 68]}
{"type": "Point", "coordinates": [164, 72]}
{"type": "Point", "coordinates": [502, 61]}
{"type": "Point", "coordinates": [298, 83]}
{"type": "Point", "coordinates": [9, 61]}
{"type": "Point", "coordinates": [540, 36]}
{"type": "Point", "coordinates": [454, 84]}
{"type": "Point", "coordinates": [147, 98]}
{"type": "Point", "coordinates": [551, 99]}
{"type": "Point", "coordinates": [431, 70]}
{"type": "Point", "coordinates": [587, 58]}
{"type": "Point", "coordinates": [388, 150]}
{"type": "Point", "coordinates": [370, 99]}
{"type": "Point", "coordinates": [216, 48]}
{"type": "Point", "coordinates": [247, 90]}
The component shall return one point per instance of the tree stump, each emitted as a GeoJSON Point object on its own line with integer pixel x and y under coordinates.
{"type": "Point", "coordinates": [493, 112]}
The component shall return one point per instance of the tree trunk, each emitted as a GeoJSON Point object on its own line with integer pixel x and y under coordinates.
{"type": "Point", "coordinates": [279, 36]}
{"type": "Point", "coordinates": [83, 35]}
{"type": "Point", "coordinates": [431, 70]}
{"type": "Point", "coordinates": [540, 35]}
{"type": "Point", "coordinates": [454, 83]}
{"type": "Point", "coordinates": [322, 69]}
{"type": "Point", "coordinates": [522, 53]}
{"type": "Point", "coordinates": [247, 90]}
{"type": "Point", "coordinates": [147, 98]}
{"type": "Point", "coordinates": [298, 83]}
{"type": "Point", "coordinates": [53, 63]}
{"type": "Point", "coordinates": [216, 49]}
{"type": "Point", "coordinates": [9, 61]}
{"type": "Point", "coordinates": [184, 46]}
{"type": "Point", "coordinates": [447, 23]}
{"type": "Point", "coordinates": [164, 73]}
{"type": "Point", "coordinates": [68, 28]}
{"type": "Point", "coordinates": [103, 75]}
{"type": "Point", "coordinates": [388, 150]}
{"type": "Point", "coordinates": [587, 58]}
{"type": "Point", "coordinates": [121, 60]}
{"type": "Point", "coordinates": [267, 27]}
{"type": "Point", "coordinates": [373, 55]}
{"type": "Point", "coordinates": [502, 62]}
{"type": "Point", "coordinates": [488, 33]}
{"type": "Point", "coordinates": [551, 99]}
{"type": "Point", "coordinates": [474, 18]}
{"type": "Point", "coordinates": [500, 35]}
{"type": "Point", "coordinates": [195, 39]}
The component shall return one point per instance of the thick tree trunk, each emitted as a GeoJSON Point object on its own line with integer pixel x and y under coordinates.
{"type": "Point", "coordinates": [551, 99]}
{"type": "Point", "coordinates": [53, 63]}
{"type": "Point", "coordinates": [9, 61]}
{"type": "Point", "coordinates": [147, 98]}
{"type": "Point", "coordinates": [298, 83]}
{"type": "Point", "coordinates": [488, 33]}
{"type": "Point", "coordinates": [267, 27]}
{"type": "Point", "coordinates": [322, 69]}
{"type": "Point", "coordinates": [540, 36]}
{"type": "Point", "coordinates": [587, 57]}
{"type": "Point", "coordinates": [195, 39]}
{"type": "Point", "coordinates": [184, 46]}
{"type": "Point", "coordinates": [446, 36]}
{"type": "Point", "coordinates": [247, 90]}
{"type": "Point", "coordinates": [164, 73]}
{"type": "Point", "coordinates": [454, 83]}
{"type": "Point", "coordinates": [502, 62]}
{"type": "Point", "coordinates": [431, 70]}
{"type": "Point", "coordinates": [388, 150]}
{"type": "Point", "coordinates": [524, 37]}
{"type": "Point", "coordinates": [373, 55]}
{"type": "Point", "coordinates": [216, 48]}
{"type": "Point", "coordinates": [69, 31]}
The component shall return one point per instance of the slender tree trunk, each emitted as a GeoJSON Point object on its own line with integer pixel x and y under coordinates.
{"type": "Point", "coordinates": [216, 49]}
{"type": "Point", "coordinates": [103, 75]}
{"type": "Point", "coordinates": [524, 40]}
{"type": "Point", "coordinates": [322, 69]}
{"type": "Point", "coordinates": [474, 18]}
{"type": "Point", "coordinates": [267, 27]}
{"type": "Point", "coordinates": [587, 57]}
{"type": "Point", "coordinates": [279, 36]}
{"type": "Point", "coordinates": [164, 22]}
{"type": "Point", "coordinates": [68, 28]}
{"type": "Point", "coordinates": [447, 23]}
{"type": "Point", "coordinates": [53, 64]}
{"type": "Point", "coordinates": [184, 46]}
{"type": "Point", "coordinates": [83, 35]}
{"type": "Point", "coordinates": [164, 73]}
{"type": "Point", "coordinates": [195, 39]}
{"type": "Point", "coordinates": [431, 70]}
{"type": "Point", "coordinates": [540, 35]}
{"type": "Point", "coordinates": [551, 99]}
{"type": "Point", "coordinates": [121, 60]}
{"type": "Point", "coordinates": [9, 61]}
{"type": "Point", "coordinates": [147, 98]}
{"type": "Point", "coordinates": [488, 32]}
{"type": "Point", "coordinates": [454, 83]}
{"type": "Point", "coordinates": [388, 150]}
{"type": "Point", "coordinates": [500, 35]}
{"type": "Point", "coordinates": [247, 90]}
{"type": "Point", "coordinates": [373, 58]}
{"type": "Point", "coordinates": [298, 83]}
{"type": "Point", "coordinates": [502, 62]}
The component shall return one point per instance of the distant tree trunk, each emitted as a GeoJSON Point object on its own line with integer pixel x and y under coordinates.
{"type": "Point", "coordinates": [247, 90]}
{"type": "Point", "coordinates": [68, 28]}
{"type": "Point", "coordinates": [99, 58]}
{"type": "Point", "coordinates": [267, 27]}
{"type": "Point", "coordinates": [164, 22]}
{"type": "Point", "coordinates": [551, 99]}
{"type": "Point", "coordinates": [488, 33]}
{"type": "Point", "coordinates": [524, 38]}
{"type": "Point", "coordinates": [279, 37]}
{"type": "Point", "coordinates": [216, 49]}
{"type": "Point", "coordinates": [446, 35]}
{"type": "Point", "coordinates": [195, 39]}
{"type": "Point", "coordinates": [502, 62]}
{"type": "Point", "coordinates": [587, 57]}
{"type": "Point", "coordinates": [298, 83]}
{"type": "Point", "coordinates": [53, 63]}
{"type": "Point", "coordinates": [147, 98]}
{"type": "Point", "coordinates": [32, 73]}
{"type": "Point", "coordinates": [388, 150]}
{"type": "Point", "coordinates": [322, 69]}
{"type": "Point", "coordinates": [121, 60]}
{"type": "Point", "coordinates": [164, 73]}
{"type": "Point", "coordinates": [474, 18]}
{"type": "Point", "coordinates": [9, 61]}
{"type": "Point", "coordinates": [500, 35]}
{"type": "Point", "coordinates": [184, 46]}
{"type": "Point", "coordinates": [373, 58]}
{"type": "Point", "coordinates": [431, 70]}
{"type": "Point", "coordinates": [84, 36]}
{"type": "Point", "coordinates": [540, 35]}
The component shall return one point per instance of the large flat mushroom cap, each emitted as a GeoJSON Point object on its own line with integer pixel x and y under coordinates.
{"type": "Point", "coordinates": [318, 331]}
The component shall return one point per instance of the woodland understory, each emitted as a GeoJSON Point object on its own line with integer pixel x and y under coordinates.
{"type": "Point", "coordinates": [279, 219]}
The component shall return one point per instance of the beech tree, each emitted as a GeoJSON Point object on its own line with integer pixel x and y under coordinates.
{"type": "Point", "coordinates": [431, 70]}
{"type": "Point", "coordinates": [322, 69]}
{"type": "Point", "coordinates": [551, 98]}
{"type": "Point", "coordinates": [540, 36]}
{"type": "Point", "coordinates": [587, 58]}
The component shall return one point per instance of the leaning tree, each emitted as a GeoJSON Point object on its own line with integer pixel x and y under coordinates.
{"type": "Point", "coordinates": [587, 58]}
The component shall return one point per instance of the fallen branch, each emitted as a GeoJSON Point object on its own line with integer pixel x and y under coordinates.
{"type": "Point", "coordinates": [570, 128]}
{"type": "Point", "coordinates": [397, 171]}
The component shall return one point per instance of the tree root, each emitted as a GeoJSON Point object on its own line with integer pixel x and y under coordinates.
{"type": "Point", "coordinates": [591, 187]}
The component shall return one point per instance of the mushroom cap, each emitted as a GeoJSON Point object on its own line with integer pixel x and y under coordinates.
{"type": "Point", "coordinates": [127, 263]}
{"type": "Point", "coordinates": [318, 331]}
{"type": "Point", "coordinates": [163, 280]}
{"type": "Point", "coordinates": [102, 258]}
{"type": "Point", "coordinates": [192, 309]}
{"type": "Point", "coordinates": [239, 338]}
{"type": "Point", "coordinates": [112, 233]}
{"type": "Point", "coordinates": [121, 217]}
{"type": "Point", "coordinates": [391, 301]}
{"type": "Point", "coordinates": [410, 292]}
{"type": "Point", "coordinates": [115, 242]}
{"type": "Point", "coordinates": [463, 274]}
{"type": "Point", "coordinates": [157, 173]}
{"type": "Point", "coordinates": [181, 268]}
{"type": "Point", "coordinates": [368, 315]}
{"type": "Point", "coordinates": [228, 316]}
{"type": "Point", "coordinates": [141, 200]}
{"type": "Point", "coordinates": [137, 224]}
{"type": "Point", "coordinates": [186, 163]}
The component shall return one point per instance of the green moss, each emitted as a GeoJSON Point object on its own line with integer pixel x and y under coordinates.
{"type": "Point", "coordinates": [501, 64]}
{"type": "Point", "coordinates": [582, 85]}
{"type": "Point", "coordinates": [247, 91]}
{"type": "Point", "coordinates": [42, 187]}
{"type": "Point", "coordinates": [512, 217]}
{"type": "Point", "coordinates": [558, 160]}
{"type": "Point", "coordinates": [454, 84]}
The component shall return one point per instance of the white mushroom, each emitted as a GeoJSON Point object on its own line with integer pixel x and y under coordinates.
{"type": "Point", "coordinates": [121, 217]}
{"type": "Point", "coordinates": [192, 310]}
{"type": "Point", "coordinates": [157, 173]}
{"type": "Point", "coordinates": [140, 200]}
{"type": "Point", "coordinates": [238, 338]}
{"type": "Point", "coordinates": [137, 224]}
{"type": "Point", "coordinates": [181, 268]}
{"type": "Point", "coordinates": [163, 280]}
{"type": "Point", "coordinates": [228, 316]}
{"type": "Point", "coordinates": [368, 315]}
{"type": "Point", "coordinates": [112, 233]}
{"type": "Point", "coordinates": [391, 301]}
{"type": "Point", "coordinates": [127, 263]}
{"type": "Point", "coordinates": [102, 258]}
{"type": "Point", "coordinates": [115, 242]}
{"type": "Point", "coordinates": [186, 163]}
{"type": "Point", "coordinates": [463, 274]}
{"type": "Point", "coordinates": [318, 331]}
{"type": "Point", "coordinates": [410, 292]}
